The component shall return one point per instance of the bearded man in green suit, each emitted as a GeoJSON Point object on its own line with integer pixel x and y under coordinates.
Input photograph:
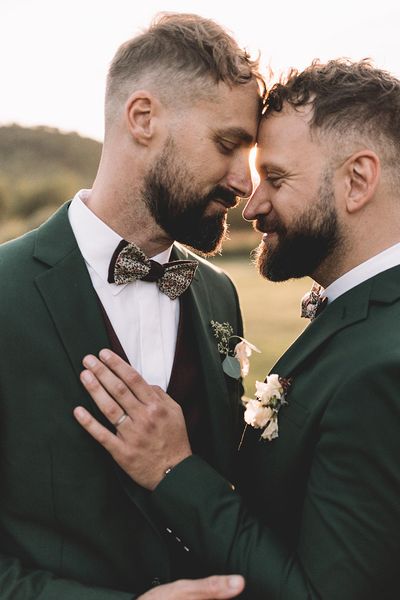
{"type": "Point", "coordinates": [316, 514]}
{"type": "Point", "coordinates": [182, 107]}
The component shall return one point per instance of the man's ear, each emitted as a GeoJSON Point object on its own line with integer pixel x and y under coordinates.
{"type": "Point", "coordinates": [362, 173]}
{"type": "Point", "coordinates": [141, 113]}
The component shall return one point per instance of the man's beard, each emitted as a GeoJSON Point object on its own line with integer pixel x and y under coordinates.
{"type": "Point", "coordinates": [180, 211]}
{"type": "Point", "coordinates": [301, 249]}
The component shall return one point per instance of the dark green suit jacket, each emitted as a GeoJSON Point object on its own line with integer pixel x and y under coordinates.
{"type": "Point", "coordinates": [71, 526]}
{"type": "Point", "coordinates": [319, 512]}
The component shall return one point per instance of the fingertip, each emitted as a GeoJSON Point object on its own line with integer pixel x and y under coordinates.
{"type": "Point", "coordinates": [79, 413]}
{"type": "Point", "coordinates": [86, 376]}
{"type": "Point", "coordinates": [232, 586]}
{"type": "Point", "coordinates": [236, 582]}
{"type": "Point", "coordinates": [89, 361]}
{"type": "Point", "coordinates": [105, 354]}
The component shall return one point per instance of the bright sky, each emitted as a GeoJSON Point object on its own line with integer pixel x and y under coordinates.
{"type": "Point", "coordinates": [54, 54]}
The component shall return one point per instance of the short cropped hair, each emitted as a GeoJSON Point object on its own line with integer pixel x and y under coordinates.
{"type": "Point", "coordinates": [349, 100]}
{"type": "Point", "coordinates": [179, 53]}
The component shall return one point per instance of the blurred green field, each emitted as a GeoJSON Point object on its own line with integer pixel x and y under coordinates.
{"type": "Point", "coordinates": [271, 314]}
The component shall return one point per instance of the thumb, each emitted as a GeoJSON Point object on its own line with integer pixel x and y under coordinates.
{"type": "Point", "coordinates": [215, 587]}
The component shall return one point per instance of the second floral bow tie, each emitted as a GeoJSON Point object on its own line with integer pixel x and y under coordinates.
{"type": "Point", "coordinates": [313, 302]}
{"type": "Point", "coordinates": [129, 263]}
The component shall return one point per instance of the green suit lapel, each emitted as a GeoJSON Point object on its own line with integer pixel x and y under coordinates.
{"type": "Point", "coordinates": [217, 398]}
{"type": "Point", "coordinates": [67, 290]}
{"type": "Point", "coordinates": [346, 310]}
{"type": "Point", "coordinates": [69, 296]}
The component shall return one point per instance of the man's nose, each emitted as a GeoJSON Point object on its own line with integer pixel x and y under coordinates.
{"type": "Point", "coordinates": [258, 204]}
{"type": "Point", "coordinates": [239, 179]}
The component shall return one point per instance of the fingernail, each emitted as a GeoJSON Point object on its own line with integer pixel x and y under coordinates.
{"type": "Point", "coordinates": [235, 581]}
{"type": "Point", "coordinates": [105, 354]}
{"type": "Point", "coordinates": [79, 412]}
{"type": "Point", "coordinates": [89, 361]}
{"type": "Point", "coordinates": [87, 376]}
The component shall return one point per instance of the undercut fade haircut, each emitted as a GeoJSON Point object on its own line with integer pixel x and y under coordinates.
{"type": "Point", "coordinates": [179, 55]}
{"type": "Point", "coordinates": [350, 101]}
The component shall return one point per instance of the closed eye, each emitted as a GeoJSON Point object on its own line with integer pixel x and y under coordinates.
{"type": "Point", "coordinates": [275, 182]}
{"type": "Point", "coordinates": [226, 147]}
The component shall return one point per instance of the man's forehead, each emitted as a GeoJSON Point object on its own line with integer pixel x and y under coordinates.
{"type": "Point", "coordinates": [281, 127]}
{"type": "Point", "coordinates": [283, 138]}
{"type": "Point", "coordinates": [229, 111]}
{"type": "Point", "coordinates": [239, 101]}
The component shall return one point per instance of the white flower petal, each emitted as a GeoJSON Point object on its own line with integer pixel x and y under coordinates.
{"type": "Point", "coordinates": [242, 353]}
{"type": "Point", "coordinates": [245, 400]}
{"type": "Point", "coordinates": [250, 345]}
{"type": "Point", "coordinates": [256, 414]}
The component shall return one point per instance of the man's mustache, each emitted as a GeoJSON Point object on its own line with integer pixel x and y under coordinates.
{"type": "Point", "coordinates": [221, 194]}
{"type": "Point", "coordinates": [264, 225]}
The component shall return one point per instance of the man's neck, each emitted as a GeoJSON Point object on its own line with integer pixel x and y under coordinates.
{"type": "Point", "coordinates": [132, 222]}
{"type": "Point", "coordinates": [349, 256]}
{"type": "Point", "coordinates": [384, 260]}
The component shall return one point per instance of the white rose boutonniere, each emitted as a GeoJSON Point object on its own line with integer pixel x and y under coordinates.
{"type": "Point", "coordinates": [262, 412]}
{"type": "Point", "coordinates": [236, 362]}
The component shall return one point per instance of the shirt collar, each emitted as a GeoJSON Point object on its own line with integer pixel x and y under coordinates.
{"type": "Point", "coordinates": [381, 262]}
{"type": "Point", "coordinates": [96, 240]}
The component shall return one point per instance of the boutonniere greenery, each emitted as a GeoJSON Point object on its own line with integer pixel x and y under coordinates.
{"type": "Point", "coordinates": [262, 412]}
{"type": "Point", "coordinates": [236, 362]}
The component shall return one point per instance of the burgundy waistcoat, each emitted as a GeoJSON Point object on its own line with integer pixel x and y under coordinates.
{"type": "Point", "coordinates": [186, 386]}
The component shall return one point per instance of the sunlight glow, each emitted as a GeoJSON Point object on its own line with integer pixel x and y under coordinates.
{"type": "Point", "coordinates": [254, 174]}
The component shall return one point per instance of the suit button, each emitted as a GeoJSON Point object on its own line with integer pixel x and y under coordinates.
{"type": "Point", "coordinates": [156, 581]}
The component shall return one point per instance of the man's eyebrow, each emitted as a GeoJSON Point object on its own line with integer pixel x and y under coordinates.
{"type": "Point", "coordinates": [268, 167]}
{"type": "Point", "coordinates": [237, 133]}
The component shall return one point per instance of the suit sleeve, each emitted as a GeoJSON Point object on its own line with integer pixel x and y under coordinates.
{"type": "Point", "coordinates": [349, 539]}
{"type": "Point", "coordinates": [18, 583]}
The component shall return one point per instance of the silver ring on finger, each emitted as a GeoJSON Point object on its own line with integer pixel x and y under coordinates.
{"type": "Point", "coordinates": [120, 420]}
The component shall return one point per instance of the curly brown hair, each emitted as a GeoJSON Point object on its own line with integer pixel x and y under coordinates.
{"type": "Point", "coordinates": [351, 99]}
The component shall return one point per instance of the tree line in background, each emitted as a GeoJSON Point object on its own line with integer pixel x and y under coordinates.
{"type": "Point", "coordinates": [41, 168]}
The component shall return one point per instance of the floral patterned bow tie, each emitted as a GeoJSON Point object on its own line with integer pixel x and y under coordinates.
{"type": "Point", "coordinates": [129, 263]}
{"type": "Point", "coordinates": [313, 303]}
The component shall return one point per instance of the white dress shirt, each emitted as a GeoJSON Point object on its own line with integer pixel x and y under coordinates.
{"type": "Point", "coordinates": [144, 319]}
{"type": "Point", "coordinates": [381, 262]}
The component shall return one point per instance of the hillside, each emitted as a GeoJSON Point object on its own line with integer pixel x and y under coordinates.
{"type": "Point", "coordinates": [40, 168]}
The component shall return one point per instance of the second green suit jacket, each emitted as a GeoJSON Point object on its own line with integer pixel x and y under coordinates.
{"type": "Point", "coordinates": [318, 515]}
